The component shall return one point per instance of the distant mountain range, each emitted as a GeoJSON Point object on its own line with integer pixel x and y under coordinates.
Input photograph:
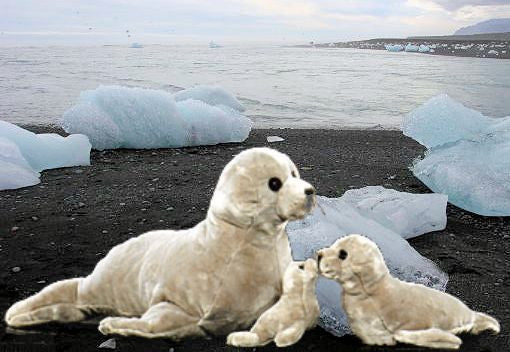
{"type": "Point", "coordinates": [497, 25]}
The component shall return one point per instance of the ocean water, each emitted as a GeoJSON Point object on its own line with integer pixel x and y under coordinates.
{"type": "Point", "coordinates": [280, 86]}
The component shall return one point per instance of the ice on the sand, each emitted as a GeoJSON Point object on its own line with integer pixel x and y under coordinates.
{"type": "Point", "coordinates": [47, 150]}
{"type": "Point", "coordinates": [23, 154]}
{"type": "Point", "coordinates": [369, 211]}
{"type": "Point", "coordinates": [468, 156]}
{"type": "Point", "coordinates": [407, 214]}
{"type": "Point", "coordinates": [273, 139]}
{"type": "Point", "coordinates": [412, 48]}
{"type": "Point", "coordinates": [211, 95]}
{"type": "Point", "coordinates": [15, 172]}
{"type": "Point", "coordinates": [121, 117]}
{"type": "Point", "coordinates": [394, 48]}
{"type": "Point", "coordinates": [423, 48]}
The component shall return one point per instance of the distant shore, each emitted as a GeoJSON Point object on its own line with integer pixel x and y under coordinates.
{"type": "Point", "coordinates": [495, 46]}
{"type": "Point", "coordinates": [61, 227]}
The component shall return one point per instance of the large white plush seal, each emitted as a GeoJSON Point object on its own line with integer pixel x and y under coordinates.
{"type": "Point", "coordinates": [216, 277]}
{"type": "Point", "coordinates": [383, 310]}
{"type": "Point", "coordinates": [295, 312]}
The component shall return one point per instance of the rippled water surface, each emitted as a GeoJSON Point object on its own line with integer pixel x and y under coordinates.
{"type": "Point", "coordinates": [280, 86]}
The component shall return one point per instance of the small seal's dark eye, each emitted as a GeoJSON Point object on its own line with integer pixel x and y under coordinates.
{"type": "Point", "coordinates": [275, 184]}
{"type": "Point", "coordinates": [302, 266]}
{"type": "Point", "coordinates": [293, 173]}
{"type": "Point", "coordinates": [342, 255]}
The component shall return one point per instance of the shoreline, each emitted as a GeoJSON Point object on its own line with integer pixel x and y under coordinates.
{"type": "Point", "coordinates": [458, 46]}
{"type": "Point", "coordinates": [61, 227]}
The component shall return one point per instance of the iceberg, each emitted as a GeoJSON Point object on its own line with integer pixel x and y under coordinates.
{"type": "Point", "coordinates": [23, 154]}
{"type": "Point", "coordinates": [407, 214]}
{"type": "Point", "coordinates": [15, 172]}
{"type": "Point", "coordinates": [211, 95]}
{"type": "Point", "coordinates": [412, 48]}
{"type": "Point", "coordinates": [394, 48]}
{"type": "Point", "coordinates": [467, 157]}
{"type": "Point", "coordinates": [120, 117]}
{"type": "Point", "coordinates": [136, 46]}
{"type": "Point", "coordinates": [375, 213]}
{"type": "Point", "coordinates": [48, 150]}
{"type": "Point", "coordinates": [423, 48]}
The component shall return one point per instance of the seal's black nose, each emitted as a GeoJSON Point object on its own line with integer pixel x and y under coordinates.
{"type": "Point", "coordinates": [309, 191]}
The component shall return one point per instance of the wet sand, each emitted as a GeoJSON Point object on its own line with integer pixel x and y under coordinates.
{"type": "Point", "coordinates": [63, 226]}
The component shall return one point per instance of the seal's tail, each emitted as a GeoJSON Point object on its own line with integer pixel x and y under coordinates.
{"type": "Point", "coordinates": [485, 322]}
{"type": "Point", "coordinates": [56, 302]}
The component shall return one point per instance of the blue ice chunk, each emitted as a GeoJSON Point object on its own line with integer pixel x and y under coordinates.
{"type": "Point", "coordinates": [407, 214]}
{"type": "Point", "coordinates": [120, 117]}
{"type": "Point", "coordinates": [15, 172]}
{"type": "Point", "coordinates": [212, 95]}
{"type": "Point", "coordinates": [468, 156]}
{"type": "Point", "coordinates": [47, 150]}
{"type": "Point", "coordinates": [412, 48]}
{"type": "Point", "coordinates": [209, 124]}
{"type": "Point", "coordinates": [424, 48]}
{"type": "Point", "coordinates": [442, 120]}
{"type": "Point", "coordinates": [394, 48]}
{"type": "Point", "coordinates": [375, 212]}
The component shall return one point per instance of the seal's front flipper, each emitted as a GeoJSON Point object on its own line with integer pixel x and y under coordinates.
{"type": "Point", "coordinates": [161, 320]}
{"type": "Point", "coordinates": [244, 339]}
{"type": "Point", "coordinates": [434, 338]}
{"type": "Point", "coordinates": [290, 335]}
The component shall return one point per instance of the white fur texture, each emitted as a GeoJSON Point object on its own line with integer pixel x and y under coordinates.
{"type": "Point", "coordinates": [383, 310]}
{"type": "Point", "coordinates": [216, 277]}
{"type": "Point", "coordinates": [295, 312]}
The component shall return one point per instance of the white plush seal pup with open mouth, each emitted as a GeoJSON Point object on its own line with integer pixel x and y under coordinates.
{"type": "Point", "coordinates": [214, 278]}
{"type": "Point", "coordinates": [382, 310]}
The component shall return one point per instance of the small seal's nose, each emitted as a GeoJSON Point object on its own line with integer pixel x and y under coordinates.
{"type": "Point", "coordinates": [309, 191]}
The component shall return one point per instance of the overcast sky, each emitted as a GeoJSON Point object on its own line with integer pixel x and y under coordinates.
{"type": "Point", "coordinates": [179, 21]}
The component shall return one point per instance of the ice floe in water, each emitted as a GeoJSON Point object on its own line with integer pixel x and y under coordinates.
{"type": "Point", "coordinates": [468, 156]}
{"type": "Point", "coordinates": [24, 153]}
{"type": "Point", "coordinates": [374, 212]}
{"type": "Point", "coordinates": [120, 117]}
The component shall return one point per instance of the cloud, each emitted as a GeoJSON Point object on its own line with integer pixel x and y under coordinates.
{"type": "Point", "coordinates": [453, 5]}
{"type": "Point", "coordinates": [296, 20]}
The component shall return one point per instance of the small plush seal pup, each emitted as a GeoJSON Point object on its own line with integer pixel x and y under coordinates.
{"type": "Point", "coordinates": [214, 278]}
{"type": "Point", "coordinates": [295, 312]}
{"type": "Point", "coordinates": [383, 310]}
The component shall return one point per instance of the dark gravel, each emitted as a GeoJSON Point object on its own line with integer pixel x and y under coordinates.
{"type": "Point", "coordinates": [63, 226]}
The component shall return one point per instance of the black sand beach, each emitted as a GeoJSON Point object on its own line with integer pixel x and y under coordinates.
{"type": "Point", "coordinates": [63, 226]}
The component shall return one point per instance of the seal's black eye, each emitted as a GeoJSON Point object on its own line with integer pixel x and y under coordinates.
{"type": "Point", "coordinates": [301, 266]}
{"type": "Point", "coordinates": [342, 255]}
{"type": "Point", "coordinates": [275, 184]}
{"type": "Point", "coordinates": [293, 173]}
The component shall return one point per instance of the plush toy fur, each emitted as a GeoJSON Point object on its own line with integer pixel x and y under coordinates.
{"type": "Point", "coordinates": [216, 277]}
{"type": "Point", "coordinates": [383, 310]}
{"type": "Point", "coordinates": [295, 312]}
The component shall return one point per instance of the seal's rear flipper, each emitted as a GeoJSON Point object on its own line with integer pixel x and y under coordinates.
{"type": "Point", "coordinates": [57, 302]}
{"type": "Point", "coordinates": [485, 322]}
{"type": "Point", "coordinates": [434, 338]}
